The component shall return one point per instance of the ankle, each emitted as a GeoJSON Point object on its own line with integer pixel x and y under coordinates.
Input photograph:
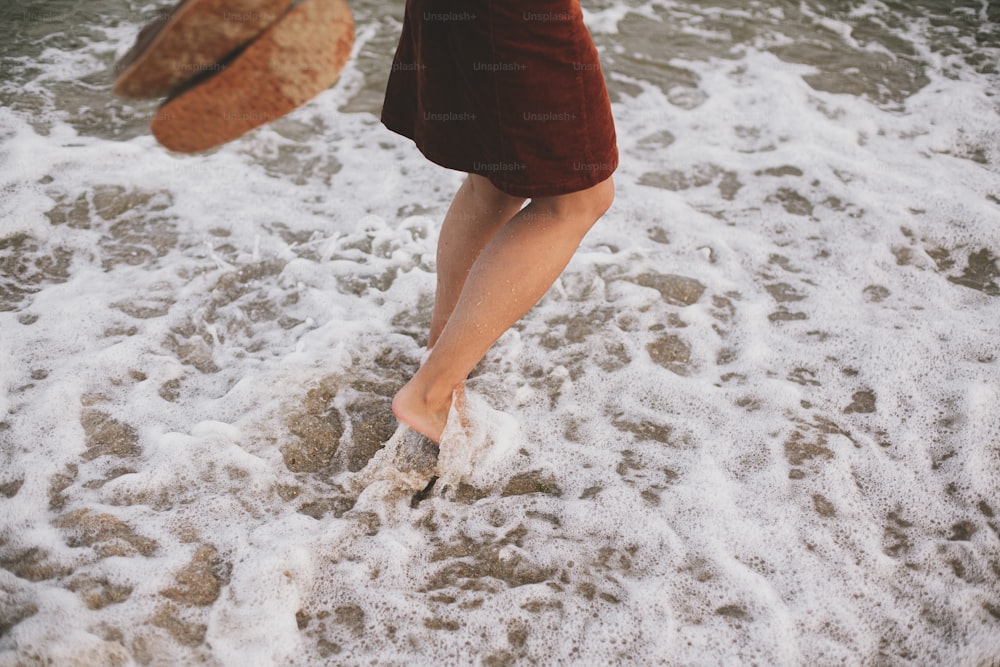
{"type": "Point", "coordinates": [438, 398]}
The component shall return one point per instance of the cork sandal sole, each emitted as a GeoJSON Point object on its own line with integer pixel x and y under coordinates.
{"type": "Point", "coordinates": [190, 41]}
{"type": "Point", "coordinates": [294, 60]}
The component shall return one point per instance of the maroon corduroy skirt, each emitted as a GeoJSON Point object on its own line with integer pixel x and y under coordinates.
{"type": "Point", "coordinates": [508, 89]}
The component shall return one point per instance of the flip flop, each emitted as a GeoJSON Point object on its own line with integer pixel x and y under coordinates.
{"type": "Point", "coordinates": [191, 40]}
{"type": "Point", "coordinates": [292, 61]}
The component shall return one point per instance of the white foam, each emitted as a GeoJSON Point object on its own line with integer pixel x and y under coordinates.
{"type": "Point", "coordinates": [798, 466]}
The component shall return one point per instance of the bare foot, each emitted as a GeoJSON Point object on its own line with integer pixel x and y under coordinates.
{"type": "Point", "coordinates": [411, 407]}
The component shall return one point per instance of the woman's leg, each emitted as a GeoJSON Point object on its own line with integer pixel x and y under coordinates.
{"type": "Point", "coordinates": [511, 273]}
{"type": "Point", "coordinates": [476, 213]}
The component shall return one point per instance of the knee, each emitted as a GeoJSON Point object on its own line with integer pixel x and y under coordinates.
{"type": "Point", "coordinates": [583, 206]}
{"type": "Point", "coordinates": [601, 197]}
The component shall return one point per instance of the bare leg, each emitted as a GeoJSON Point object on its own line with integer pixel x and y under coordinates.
{"type": "Point", "coordinates": [476, 213]}
{"type": "Point", "coordinates": [515, 268]}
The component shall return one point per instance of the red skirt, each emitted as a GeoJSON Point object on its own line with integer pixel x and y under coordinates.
{"type": "Point", "coordinates": [508, 89]}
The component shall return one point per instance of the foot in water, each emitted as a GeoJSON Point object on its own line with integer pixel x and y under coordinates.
{"type": "Point", "coordinates": [428, 418]}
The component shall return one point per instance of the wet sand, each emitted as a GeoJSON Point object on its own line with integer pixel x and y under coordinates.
{"type": "Point", "coordinates": [754, 423]}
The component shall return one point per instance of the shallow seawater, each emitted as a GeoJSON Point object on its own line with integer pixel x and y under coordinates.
{"type": "Point", "coordinates": [755, 422]}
